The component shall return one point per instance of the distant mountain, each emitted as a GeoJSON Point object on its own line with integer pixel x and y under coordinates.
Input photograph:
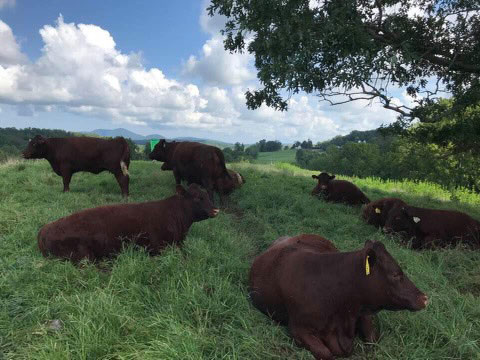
{"type": "Point", "coordinates": [142, 140]}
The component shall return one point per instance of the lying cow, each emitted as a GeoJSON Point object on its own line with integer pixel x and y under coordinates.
{"type": "Point", "coordinates": [326, 296]}
{"type": "Point", "coordinates": [338, 190]}
{"type": "Point", "coordinates": [100, 232]}
{"type": "Point", "coordinates": [376, 213]}
{"type": "Point", "coordinates": [430, 228]}
{"type": "Point", "coordinates": [227, 184]}
{"type": "Point", "coordinates": [73, 154]}
{"type": "Point", "coordinates": [194, 162]}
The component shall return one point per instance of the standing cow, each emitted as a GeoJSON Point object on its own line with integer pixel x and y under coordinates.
{"type": "Point", "coordinates": [194, 162]}
{"type": "Point", "coordinates": [430, 228]}
{"type": "Point", "coordinates": [377, 212]}
{"type": "Point", "coordinates": [341, 191]}
{"type": "Point", "coordinates": [73, 154]}
{"type": "Point", "coordinates": [326, 296]}
{"type": "Point", "coordinates": [100, 232]}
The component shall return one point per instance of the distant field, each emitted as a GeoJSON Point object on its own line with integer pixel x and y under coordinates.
{"type": "Point", "coordinates": [192, 303]}
{"type": "Point", "coordinates": [287, 156]}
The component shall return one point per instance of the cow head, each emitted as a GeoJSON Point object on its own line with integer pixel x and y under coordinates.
{"type": "Point", "coordinates": [372, 214]}
{"type": "Point", "coordinates": [36, 148]}
{"type": "Point", "coordinates": [161, 150]}
{"type": "Point", "coordinates": [388, 287]}
{"type": "Point", "coordinates": [202, 206]}
{"type": "Point", "coordinates": [401, 220]}
{"type": "Point", "coordinates": [323, 181]}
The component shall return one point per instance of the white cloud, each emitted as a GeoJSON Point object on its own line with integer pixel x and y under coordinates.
{"type": "Point", "coordinates": [215, 66]}
{"type": "Point", "coordinates": [9, 51]}
{"type": "Point", "coordinates": [6, 3]}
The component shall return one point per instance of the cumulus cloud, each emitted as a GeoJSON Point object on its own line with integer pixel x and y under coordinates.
{"type": "Point", "coordinates": [9, 51]}
{"type": "Point", "coordinates": [216, 66]}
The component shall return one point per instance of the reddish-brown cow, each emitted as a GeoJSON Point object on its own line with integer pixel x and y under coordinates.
{"type": "Point", "coordinates": [70, 155]}
{"type": "Point", "coordinates": [325, 296]}
{"type": "Point", "coordinates": [100, 232]}
{"type": "Point", "coordinates": [341, 191]}
{"type": "Point", "coordinates": [430, 228]}
{"type": "Point", "coordinates": [194, 162]}
{"type": "Point", "coordinates": [376, 213]}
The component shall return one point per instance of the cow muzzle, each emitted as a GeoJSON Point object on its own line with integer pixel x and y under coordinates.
{"type": "Point", "coordinates": [214, 212]}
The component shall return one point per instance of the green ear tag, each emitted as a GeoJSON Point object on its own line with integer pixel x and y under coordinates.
{"type": "Point", "coordinates": [367, 266]}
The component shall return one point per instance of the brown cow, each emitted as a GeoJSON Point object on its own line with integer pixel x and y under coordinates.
{"type": "Point", "coordinates": [326, 296]}
{"type": "Point", "coordinates": [73, 154]}
{"type": "Point", "coordinates": [226, 184]}
{"type": "Point", "coordinates": [194, 162]}
{"type": "Point", "coordinates": [100, 232]}
{"type": "Point", "coordinates": [376, 213]}
{"type": "Point", "coordinates": [338, 190]}
{"type": "Point", "coordinates": [430, 228]}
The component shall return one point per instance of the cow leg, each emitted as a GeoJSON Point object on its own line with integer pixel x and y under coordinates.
{"type": "Point", "coordinates": [67, 176]}
{"type": "Point", "coordinates": [123, 181]}
{"type": "Point", "coordinates": [366, 329]}
{"type": "Point", "coordinates": [304, 337]}
{"type": "Point", "coordinates": [178, 178]}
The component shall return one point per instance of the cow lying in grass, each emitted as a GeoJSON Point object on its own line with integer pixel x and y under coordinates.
{"type": "Point", "coordinates": [326, 296]}
{"type": "Point", "coordinates": [73, 154]}
{"type": "Point", "coordinates": [431, 228]}
{"type": "Point", "coordinates": [100, 232]}
{"type": "Point", "coordinates": [341, 191]}
{"type": "Point", "coordinates": [377, 212]}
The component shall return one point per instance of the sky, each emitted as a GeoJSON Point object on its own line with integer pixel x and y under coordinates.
{"type": "Point", "coordinates": [152, 67]}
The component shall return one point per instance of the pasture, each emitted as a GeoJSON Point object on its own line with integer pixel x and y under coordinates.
{"type": "Point", "coordinates": [286, 156]}
{"type": "Point", "coordinates": [191, 303]}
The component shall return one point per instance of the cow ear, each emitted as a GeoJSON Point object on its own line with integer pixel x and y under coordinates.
{"type": "Point", "coordinates": [332, 177]}
{"type": "Point", "coordinates": [314, 177]}
{"type": "Point", "coordinates": [180, 190]}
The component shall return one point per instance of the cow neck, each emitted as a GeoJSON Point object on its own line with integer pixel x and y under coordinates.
{"type": "Point", "coordinates": [182, 209]}
{"type": "Point", "coordinates": [50, 154]}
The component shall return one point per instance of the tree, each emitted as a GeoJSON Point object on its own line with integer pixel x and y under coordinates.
{"type": "Point", "coordinates": [357, 49]}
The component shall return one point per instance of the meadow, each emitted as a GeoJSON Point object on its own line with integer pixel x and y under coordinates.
{"type": "Point", "coordinates": [191, 303]}
{"type": "Point", "coordinates": [286, 156]}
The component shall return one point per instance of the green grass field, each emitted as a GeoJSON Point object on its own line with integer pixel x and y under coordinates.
{"type": "Point", "coordinates": [191, 303]}
{"type": "Point", "coordinates": [287, 156]}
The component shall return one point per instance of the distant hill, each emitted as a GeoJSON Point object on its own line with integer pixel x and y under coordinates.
{"type": "Point", "coordinates": [142, 140]}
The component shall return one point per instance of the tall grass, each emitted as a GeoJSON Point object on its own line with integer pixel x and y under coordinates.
{"type": "Point", "coordinates": [191, 303]}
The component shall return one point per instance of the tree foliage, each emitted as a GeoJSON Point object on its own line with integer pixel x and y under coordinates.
{"type": "Point", "coordinates": [357, 49]}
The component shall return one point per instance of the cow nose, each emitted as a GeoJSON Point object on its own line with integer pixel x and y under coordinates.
{"type": "Point", "coordinates": [424, 300]}
{"type": "Point", "coordinates": [214, 212]}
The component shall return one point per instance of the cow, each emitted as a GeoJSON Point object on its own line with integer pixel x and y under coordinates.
{"type": "Point", "coordinates": [73, 154]}
{"type": "Point", "coordinates": [326, 297]}
{"type": "Point", "coordinates": [101, 232]}
{"type": "Point", "coordinates": [194, 162]}
{"type": "Point", "coordinates": [341, 191]}
{"type": "Point", "coordinates": [376, 213]}
{"type": "Point", "coordinates": [224, 185]}
{"type": "Point", "coordinates": [431, 228]}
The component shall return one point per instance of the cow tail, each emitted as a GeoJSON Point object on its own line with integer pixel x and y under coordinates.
{"type": "Point", "coordinates": [125, 158]}
{"type": "Point", "coordinates": [222, 160]}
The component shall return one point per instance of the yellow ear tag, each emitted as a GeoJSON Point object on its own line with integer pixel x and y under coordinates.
{"type": "Point", "coordinates": [367, 266]}
{"type": "Point", "coordinates": [378, 211]}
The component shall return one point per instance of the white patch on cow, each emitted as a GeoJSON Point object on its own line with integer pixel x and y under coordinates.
{"type": "Point", "coordinates": [124, 168]}
{"type": "Point", "coordinates": [323, 187]}
{"type": "Point", "coordinates": [416, 219]}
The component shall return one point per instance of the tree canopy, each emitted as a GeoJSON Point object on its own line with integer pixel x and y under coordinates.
{"type": "Point", "coordinates": [357, 49]}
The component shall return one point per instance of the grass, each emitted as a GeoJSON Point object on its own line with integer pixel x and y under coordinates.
{"type": "Point", "coordinates": [286, 156]}
{"type": "Point", "coordinates": [191, 303]}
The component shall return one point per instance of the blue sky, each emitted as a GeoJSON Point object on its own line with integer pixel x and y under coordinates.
{"type": "Point", "coordinates": [150, 67]}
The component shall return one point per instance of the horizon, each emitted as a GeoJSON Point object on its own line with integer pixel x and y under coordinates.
{"type": "Point", "coordinates": [86, 66]}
